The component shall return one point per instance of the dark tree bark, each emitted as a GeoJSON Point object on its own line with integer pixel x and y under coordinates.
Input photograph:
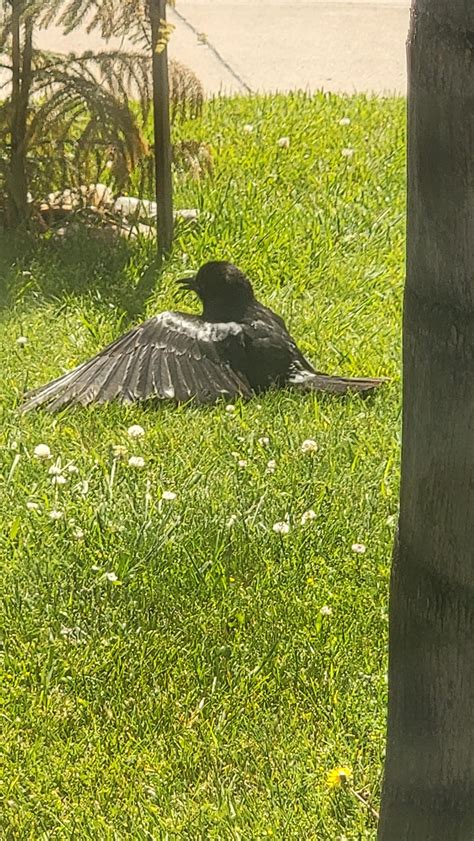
{"type": "Point", "coordinates": [428, 791]}
{"type": "Point", "coordinates": [161, 124]}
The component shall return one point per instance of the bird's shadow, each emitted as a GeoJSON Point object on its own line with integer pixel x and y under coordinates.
{"type": "Point", "coordinates": [119, 272]}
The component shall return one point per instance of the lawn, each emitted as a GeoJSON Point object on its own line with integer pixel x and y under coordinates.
{"type": "Point", "coordinates": [173, 668]}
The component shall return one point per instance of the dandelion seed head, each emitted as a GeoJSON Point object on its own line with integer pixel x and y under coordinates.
{"type": "Point", "coordinates": [359, 548]}
{"type": "Point", "coordinates": [271, 465]}
{"type": "Point", "coordinates": [169, 495]}
{"type": "Point", "coordinates": [231, 521]}
{"type": "Point", "coordinates": [264, 441]}
{"type": "Point", "coordinates": [308, 516]}
{"type": "Point", "coordinates": [78, 534]}
{"type": "Point", "coordinates": [22, 341]}
{"type": "Point", "coordinates": [32, 506]}
{"type": "Point", "coordinates": [56, 515]}
{"type": "Point", "coordinates": [242, 462]}
{"type": "Point", "coordinates": [230, 408]}
{"type": "Point", "coordinates": [345, 121]}
{"type": "Point", "coordinates": [347, 153]}
{"type": "Point", "coordinates": [247, 128]}
{"type": "Point", "coordinates": [42, 451]}
{"type": "Point", "coordinates": [135, 431]}
{"type": "Point", "coordinates": [281, 527]}
{"type": "Point", "coordinates": [136, 461]}
{"type": "Point", "coordinates": [283, 142]}
{"type": "Point", "coordinates": [309, 446]}
{"type": "Point", "coordinates": [59, 480]}
{"type": "Point", "coordinates": [54, 470]}
{"type": "Point", "coordinates": [326, 610]}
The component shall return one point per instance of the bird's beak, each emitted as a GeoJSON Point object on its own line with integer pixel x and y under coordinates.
{"type": "Point", "coordinates": [187, 284]}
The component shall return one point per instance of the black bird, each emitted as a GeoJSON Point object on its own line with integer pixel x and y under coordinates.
{"type": "Point", "coordinates": [236, 348]}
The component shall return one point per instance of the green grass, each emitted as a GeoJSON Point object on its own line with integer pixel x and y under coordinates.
{"type": "Point", "coordinates": [203, 695]}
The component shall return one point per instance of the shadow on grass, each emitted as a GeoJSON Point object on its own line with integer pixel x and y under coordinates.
{"type": "Point", "coordinates": [116, 271]}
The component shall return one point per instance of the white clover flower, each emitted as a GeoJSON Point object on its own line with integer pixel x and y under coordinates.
{"type": "Point", "coordinates": [326, 610]}
{"type": "Point", "coordinates": [56, 515]}
{"type": "Point", "coordinates": [111, 576]}
{"type": "Point", "coordinates": [54, 470]}
{"type": "Point", "coordinates": [264, 441]}
{"type": "Point", "coordinates": [347, 153]}
{"type": "Point", "coordinates": [72, 468]}
{"type": "Point", "coordinates": [309, 446]}
{"type": "Point", "coordinates": [32, 506]}
{"type": "Point", "coordinates": [248, 128]}
{"type": "Point", "coordinates": [96, 568]}
{"type": "Point", "coordinates": [230, 408]}
{"type": "Point", "coordinates": [281, 527]}
{"type": "Point", "coordinates": [242, 462]}
{"type": "Point", "coordinates": [283, 142]}
{"type": "Point", "coordinates": [136, 461]}
{"type": "Point", "coordinates": [360, 548]}
{"type": "Point", "coordinates": [119, 451]}
{"type": "Point", "coordinates": [169, 495]}
{"type": "Point", "coordinates": [78, 534]}
{"type": "Point", "coordinates": [22, 341]}
{"type": "Point", "coordinates": [59, 480]}
{"type": "Point", "coordinates": [231, 521]}
{"type": "Point", "coordinates": [135, 431]}
{"type": "Point", "coordinates": [271, 466]}
{"type": "Point", "coordinates": [345, 121]}
{"type": "Point", "coordinates": [42, 451]}
{"type": "Point", "coordinates": [308, 516]}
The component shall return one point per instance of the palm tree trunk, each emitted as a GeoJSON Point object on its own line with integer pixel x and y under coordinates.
{"type": "Point", "coordinates": [161, 125]}
{"type": "Point", "coordinates": [17, 184]}
{"type": "Point", "coordinates": [428, 791]}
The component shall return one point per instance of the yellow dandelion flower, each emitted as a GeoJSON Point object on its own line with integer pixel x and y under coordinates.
{"type": "Point", "coordinates": [337, 777]}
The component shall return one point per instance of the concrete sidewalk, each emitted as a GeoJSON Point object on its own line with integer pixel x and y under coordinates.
{"type": "Point", "coordinates": [270, 45]}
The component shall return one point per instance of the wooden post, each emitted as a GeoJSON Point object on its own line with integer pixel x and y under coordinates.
{"type": "Point", "coordinates": [161, 127]}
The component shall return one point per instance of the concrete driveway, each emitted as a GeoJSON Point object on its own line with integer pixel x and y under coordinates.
{"type": "Point", "coordinates": [270, 45]}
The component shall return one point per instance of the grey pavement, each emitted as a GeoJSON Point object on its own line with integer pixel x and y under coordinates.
{"type": "Point", "coordinates": [271, 45]}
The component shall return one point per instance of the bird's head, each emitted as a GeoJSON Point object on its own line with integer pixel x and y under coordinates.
{"type": "Point", "coordinates": [224, 290]}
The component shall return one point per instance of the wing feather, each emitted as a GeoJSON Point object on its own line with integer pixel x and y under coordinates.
{"type": "Point", "coordinates": [172, 356]}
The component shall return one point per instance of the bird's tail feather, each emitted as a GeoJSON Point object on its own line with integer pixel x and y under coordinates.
{"type": "Point", "coordinates": [337, 385]}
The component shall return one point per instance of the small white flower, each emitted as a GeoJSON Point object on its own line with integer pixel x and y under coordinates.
{"type": "Point", "coordinates": [32, 506]}
{"type": "Point", "coordinates": [168, 495]}
{"type": "Point", "coordinates": [22, 341]}
{"type": "Point", "coordinates": [111, 576]}
{"type": "Point", "coordinates": [54, 470]}
{"type": "Point", "coordinates": [56, 515]}
{"type": "Point", "coordinates": [119, 451]}
{"type": "Point", "coordinates": [359, 548]}
{"type": "Point", "coordinates": [231, 521]}
{"type": "Point", "coordinates": [271, 466]}
{"type": "Point", "coordinates": [264, 442]}
{"type": "Point", "coordinates": [136, 461]}
{"type": "Point", "coordinates": [308, 516]}
{"type": "Point", "coordinates": [309, 446]}
{"type": "Point", "coordinates": [95, 568]}
{"type": "Point", "coordinates": [42, 451]}
{"type": "Point", "coordinates": [230, 408]}
{"type": "Point", "coordinates": [248, 128]}
{"type": "Point", "coordinates": [72, 468]}
{"type": "Point", "coordinates": [326, 610]}
{"type": "Point", "coordinates": [78, 534]}
{"type": "Point", "coordinates": [283, 142]}
{"type": "Point", "coordinates": [347, 153]}
{"type": "Point", "coordinates": [59, 480]}
{"type": "Point", "coordinates": [242, 462]}
{"type": "Point", "coordinates": [135, 431]}
{"type": "Point", "coordinates": [345, 121]}
{"type": "Point", "coordinates": [281, 527]}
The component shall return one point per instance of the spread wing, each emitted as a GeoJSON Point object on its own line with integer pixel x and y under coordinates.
{"type": "Point", "coordinates": [172, 356]}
